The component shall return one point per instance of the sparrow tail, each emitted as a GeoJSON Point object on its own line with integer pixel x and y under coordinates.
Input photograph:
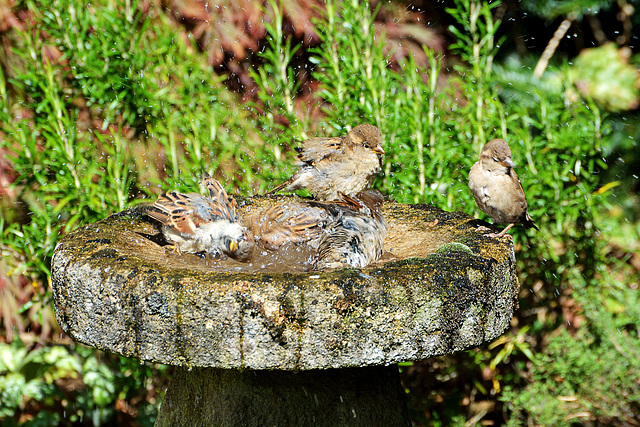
{"type": "Point", "coordinates": [527, 221]}
{"type": "Point", "coordinates": [155, 213]}
{"type": "Point", "coordinates": [278, 188]}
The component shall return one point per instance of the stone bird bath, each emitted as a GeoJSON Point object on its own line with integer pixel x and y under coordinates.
{"type": "Point", "coordinates": [260, 347]}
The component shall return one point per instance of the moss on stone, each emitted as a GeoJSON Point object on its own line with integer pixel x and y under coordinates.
{"type": "Point", "coordinates": [444, 288]}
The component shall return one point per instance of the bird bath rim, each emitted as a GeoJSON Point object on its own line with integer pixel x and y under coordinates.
{"type": "Point", "coordinates": [109, 296]}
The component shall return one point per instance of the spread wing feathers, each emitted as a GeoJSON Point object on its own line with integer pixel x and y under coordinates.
{"type": "Point", "coordinates": [185, 212]}
{"type": "Point", "coordinates": [283, 223]}
{"type": "Point", "coordinates": [314, 150]}
{"type": "Point", "coordinates": [226, 203]}
{"type": "Point", "coordinates": [315, 153]}
{"type": "Point", "coordinates": [301, 219]}
{"type": "Point", "coordinates": [366, 202]}
{"type": "Point", "coordinates": [346, 204]}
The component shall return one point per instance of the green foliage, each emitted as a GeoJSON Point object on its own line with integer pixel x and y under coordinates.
{"type": "Point", "coordinates": [55, 172]}
{"type": "Point", "coordinates": [511, 345]}
{"type": "Point", "coordinates": [476, 42]}
{"type": "Point", "coordinates": [605, 75]}
{"type": "Point", "coordinates": [107, 49]}
{"type": "Point", "coordinates": [30, 375]}
{"type": "Point", "coordinates": [276, 79]}
{"type": "Point", "coordinates": [351, 65]}
{"type": "Point", "coordinates": [581, 378]}
{"type": "Point", "coordinates": [592, 373]}
{"type": "Point", "coordinates": [91, 384]}
{"type": "Point", "coordinates": [278, 87]}
{"type": "Point", "coordinates": [131, 109]}
{"type": "Point", "coordinates": [551, 9]}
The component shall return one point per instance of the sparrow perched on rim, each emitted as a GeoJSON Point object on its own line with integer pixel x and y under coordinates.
{"type": "Point", "coordinates": [355, 236]}
{"type": "Point", "coordinates": [195, 223]}
{"type": "Point", "coordinates": [328, 165]}
{"type": "Point", "coordinates": [497, 189]}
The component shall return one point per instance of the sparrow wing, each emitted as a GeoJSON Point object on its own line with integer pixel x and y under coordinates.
{"type": "Point", "coordinates": [525, 219]}
{"type": "Point", "coordinates": [286, 223]}
{"type": "Point", "coordinates": [335, 246]}
{"type": "Point", "coordinates": [174, 210]}
{"type": "Point", "coordinates": [515, 179]}
{"type": "Point", "coordinates": [371, 202]}
{"type": "Point", "coordinates": [346, 204]}
{"type": "Point", "coordinates": [186, 212]}
{"type": "Point", "coordinates": [226, 205]}
{"type": "Point", "coordinates": [366, 202]}
{"type": "Point", "coordinates": [314, 150]}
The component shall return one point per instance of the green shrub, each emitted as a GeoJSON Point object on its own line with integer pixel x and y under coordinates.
{"type": "Point", "coordinates": [127, 111]}
{"type": "Point", "coordinates": [579, 379]}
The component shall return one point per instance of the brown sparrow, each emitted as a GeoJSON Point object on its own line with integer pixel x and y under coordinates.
{"type": "Point", "coordinates": [195, 223]}
{"type": "Point", "coordinates": [355, 236]}
{"type": "Point", "coordinates": [328, 165]}
{"type": "Point", "coordinates": [288, 222]}
{"type": "Point", "coordinates": [496, 187]}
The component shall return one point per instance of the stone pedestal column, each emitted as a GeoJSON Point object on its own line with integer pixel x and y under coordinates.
{"type": "Point", "coordinates": [334, 397]}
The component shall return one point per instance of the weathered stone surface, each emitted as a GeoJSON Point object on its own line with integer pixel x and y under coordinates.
{"type": "Point", "coordinates": [445, 288]}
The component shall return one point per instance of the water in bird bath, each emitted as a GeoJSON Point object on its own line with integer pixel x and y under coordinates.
{"type": "Point", "coordinates": [411, 232]}
{"type": "Point", "coordinates": [288, 258]}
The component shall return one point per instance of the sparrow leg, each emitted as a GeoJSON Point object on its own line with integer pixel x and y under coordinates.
{"type": "Point", "coordinates": [502, 233]}
{"type": "Point", "coordinates": [175, 249]}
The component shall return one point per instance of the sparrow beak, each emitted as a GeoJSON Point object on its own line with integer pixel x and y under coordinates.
{"type": "Point", "coordinates": [233, 246]}
{"type": "Point", "coordinates": [378, 149]}
{"type": "Point", "coordinates": [508, 162]}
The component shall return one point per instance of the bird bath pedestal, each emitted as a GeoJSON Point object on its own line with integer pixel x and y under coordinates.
{"type": "Point", "coordinates": [285, 348]}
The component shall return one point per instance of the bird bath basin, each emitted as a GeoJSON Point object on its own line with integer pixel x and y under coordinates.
{"type": "Point", "coordinates": [261, 347]}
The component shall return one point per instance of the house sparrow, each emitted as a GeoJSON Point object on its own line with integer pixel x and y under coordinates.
{"type": "Point", "coordinates": [195, 223]}
{"type": "Point", "coordinates": [328, 165]}
{"type": "Point", "coordinates": [355, 237]}
{"type": "Point", "coordinates": [496, 187]}
{"type": "Point", "coordinates": [288, 222]}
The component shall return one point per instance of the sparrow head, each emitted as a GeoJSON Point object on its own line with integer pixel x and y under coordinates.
{"type": "Point", "coordinates": [368, 136]}
{"type": "Point", "coordinates": [238, 246]}
{"type": "Point", "coordinates": [497, 153]}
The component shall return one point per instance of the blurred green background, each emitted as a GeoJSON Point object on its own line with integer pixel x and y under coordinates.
{"type": "Point", "coordinates": [105, 105]}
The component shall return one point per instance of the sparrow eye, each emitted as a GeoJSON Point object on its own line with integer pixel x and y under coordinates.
{"type": "Point", "coordinates": [495, 159]}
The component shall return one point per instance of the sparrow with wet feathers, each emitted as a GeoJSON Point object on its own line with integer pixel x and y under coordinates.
{"type": "Point", "coordinates": [355, 235]}
{"type": "Point", "coordinates": [195, 223]}
{"type": "Point", "coordinates": [497, 189]}
{"type": "Point", "coordinates": [349, 231]}
{"type": "Point", "coordinates": [328, 165]}
{"type": "Point", "coordinates": [292, 221]}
